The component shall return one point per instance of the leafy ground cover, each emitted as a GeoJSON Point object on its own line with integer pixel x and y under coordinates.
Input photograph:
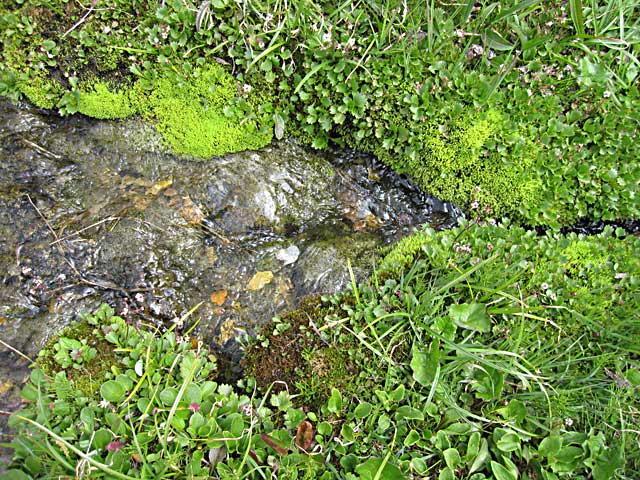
{"type": "Point", "coordinates": [535, 102]}
{"type": "Point", "coordinates": [481, 352]}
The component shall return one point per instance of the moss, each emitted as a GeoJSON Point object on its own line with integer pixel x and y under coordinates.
{"type": "Point", "coordinates": [452, 157]}
{"type": "Point", "coordinates": [100, 101]}
{"type": "Point", "coordinates": [404, 252]}
{"type": "Point", "coordinates": [88, 378]}
{"type": "Point", "coordinates": [191, 116]}
{"type": "Point", "coordinates": [43, 93]}
{"type": "Point", "coordinates": [294, 354]}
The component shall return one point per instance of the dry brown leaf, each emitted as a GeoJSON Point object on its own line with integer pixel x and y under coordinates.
{"type": "Point", "coordinates": [157, 187]}
{"type": "Point", "coordinates": [219, 297]}
{"type": "Point", "coordinates": [191, 212]}
{"type": "Point", "coordinates": [260, 279]}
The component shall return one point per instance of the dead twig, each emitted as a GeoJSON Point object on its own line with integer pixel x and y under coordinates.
{"type": "Point", "coordinates": [66, 237]}
{"type": "Point", "coordinates": [41, 149]}
{"type": "Point", "coordinates": [105, 285]}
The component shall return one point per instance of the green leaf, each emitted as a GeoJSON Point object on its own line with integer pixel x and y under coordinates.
{"type": "Point", "coordinates": [446, 474]}
{"type": "Point", "coordinates": [501, 473]}
{"type": "Point", "coordinates": [101, 438]}
{"type": "Point", "coordinates": [496, 41]}
{"type": "Point", "coordinates": [509, 442]}
{"type": "Point", "coordinates": [575, 7]}
{"type": "Point", "coordinates": [112, 391]}
{"type": "Point", "coordinates": [359, 100]}
{"type": "Point", "coordinates": [470, 316]}
{"type": "Point", "coordinates": [481, 458]}
{"type": "Point", "coordinates": [363, 410]}
{"type": "Point", "coordinates": [16, 475]}
{"type": "Point", "coordinates": [334, 405]}
{"type": "Point", "coordinates": [452, 458]}
{"type": "Point", "coordinates": [324, 428]}
{"type": "Point", "coordinates": [473, 447]}
{"type": "Point", "coordinates": [411, 438]}
{"type": "Point", "coordinates": [373, 469]}
{"type": "Point", "coordinates": [550, 446]}
{"type": "Point", "coordinates": [168, 396]}
{"type": "Point", "coordinates": [425, 364]}
{"type": "Point", "coordinates": [408, 413]}
{"type": "Point", "coordinates": [193, 394]}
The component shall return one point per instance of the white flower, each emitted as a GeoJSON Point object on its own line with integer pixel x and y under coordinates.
{"type": "Point", "coordinates": [621, 275]}
{"type": "Point", "coordinates": [606, 94]}
{"type": "Point", "coordinates": [139, 297]}
{"type": "Point", "coordinates": [104, 404]}
{"type": "Point", "coordinates": [544, 286]}
{"type": "Point", "coordinates": [246, 88]}
{"type": "Point", "coordinates": [326, 38]}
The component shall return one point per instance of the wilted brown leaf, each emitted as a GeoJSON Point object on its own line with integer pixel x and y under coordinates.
{"type": "Point", "coordinates": [304, 435]}
{"type": "Point", "coordinates": [260, 279]}
{"type": "Point", "coordinates": [218, 298]}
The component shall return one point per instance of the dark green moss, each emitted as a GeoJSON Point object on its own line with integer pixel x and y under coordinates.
{"type": "Point", "coordinates": [297, 356]}
{"type": "Point", "coordinates": [90, 376]}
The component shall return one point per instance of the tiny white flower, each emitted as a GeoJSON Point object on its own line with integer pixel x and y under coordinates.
{"type": "Point", "coordinates": [621, 275]}
{"type": "Point", "coordinates": [606, 94]}
{"type": "Point", "coordinates": [104, 404]}
{"type": "Point", "coordinates": [139, 297]}
{"type": "Point", "coordinates": [246, 88]}
{"type": "Point", "coordinates": [568, 422]}
{"type": "Point", "coordinates": [544, 286]}
{"type": "Point", "coordinates": [326, 38]}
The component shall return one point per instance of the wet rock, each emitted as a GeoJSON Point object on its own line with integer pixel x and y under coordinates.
{"type": "Point", "coordinates": [288, 255]}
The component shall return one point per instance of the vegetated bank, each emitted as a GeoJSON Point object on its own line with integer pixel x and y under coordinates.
{"type": "Point", "coordinates": [482, 352]}
{"type": "Point", "coordinates": [479, 352]}
{"type": "Point", "coordinates": [536, 103]}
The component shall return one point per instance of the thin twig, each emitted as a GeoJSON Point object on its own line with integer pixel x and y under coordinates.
{"type": "Point", "coordinates": [108, 219]}
{"type": "Point", "coordinates": [16, 351]}
{"type": "Point", "coordinates": [40, 148]}
{"type": "Point", "coordinates": [105, 285]}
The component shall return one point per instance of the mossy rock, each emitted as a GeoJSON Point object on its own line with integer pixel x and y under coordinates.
{"type": "Point", "coordinates": [90, 376]}
{"type": "Point", "coordinates": [291, 353]}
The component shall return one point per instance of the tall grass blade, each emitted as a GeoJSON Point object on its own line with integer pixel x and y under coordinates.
{"type": "Point", "coordinates": [575, 8]}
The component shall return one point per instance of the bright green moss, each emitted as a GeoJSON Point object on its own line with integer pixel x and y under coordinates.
{"type": "Point", "coordinates": [405, 252]}
{"type": "Point", "coordinates": [191, 116]}
{"type": "Point", "coordinates": [99, 101]}
{"type": "Point", "coordinates": [41, 92]}
{"type": "Point", "coordinates": [474, 159]}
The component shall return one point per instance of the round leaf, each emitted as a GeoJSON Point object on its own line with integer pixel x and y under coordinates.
{"type": "Point", "coordinates": [112, 391]}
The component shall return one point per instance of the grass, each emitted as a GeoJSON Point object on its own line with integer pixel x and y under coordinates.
{"type": "Point", "coordinates": [483, 352]}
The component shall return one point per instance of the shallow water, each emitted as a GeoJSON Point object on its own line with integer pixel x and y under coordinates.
{"type": "Point", "coordinates": [94, 212]}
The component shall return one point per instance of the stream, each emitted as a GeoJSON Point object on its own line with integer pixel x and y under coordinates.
{"type": "Point", "coordinates": [95, 211]}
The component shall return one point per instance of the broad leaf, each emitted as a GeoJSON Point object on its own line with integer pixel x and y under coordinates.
{"type": "Point", "coordinates": [471, 316]}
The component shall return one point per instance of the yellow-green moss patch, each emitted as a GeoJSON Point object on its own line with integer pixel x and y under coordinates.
{"type": "Point", "coordinates": [100, 101]}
